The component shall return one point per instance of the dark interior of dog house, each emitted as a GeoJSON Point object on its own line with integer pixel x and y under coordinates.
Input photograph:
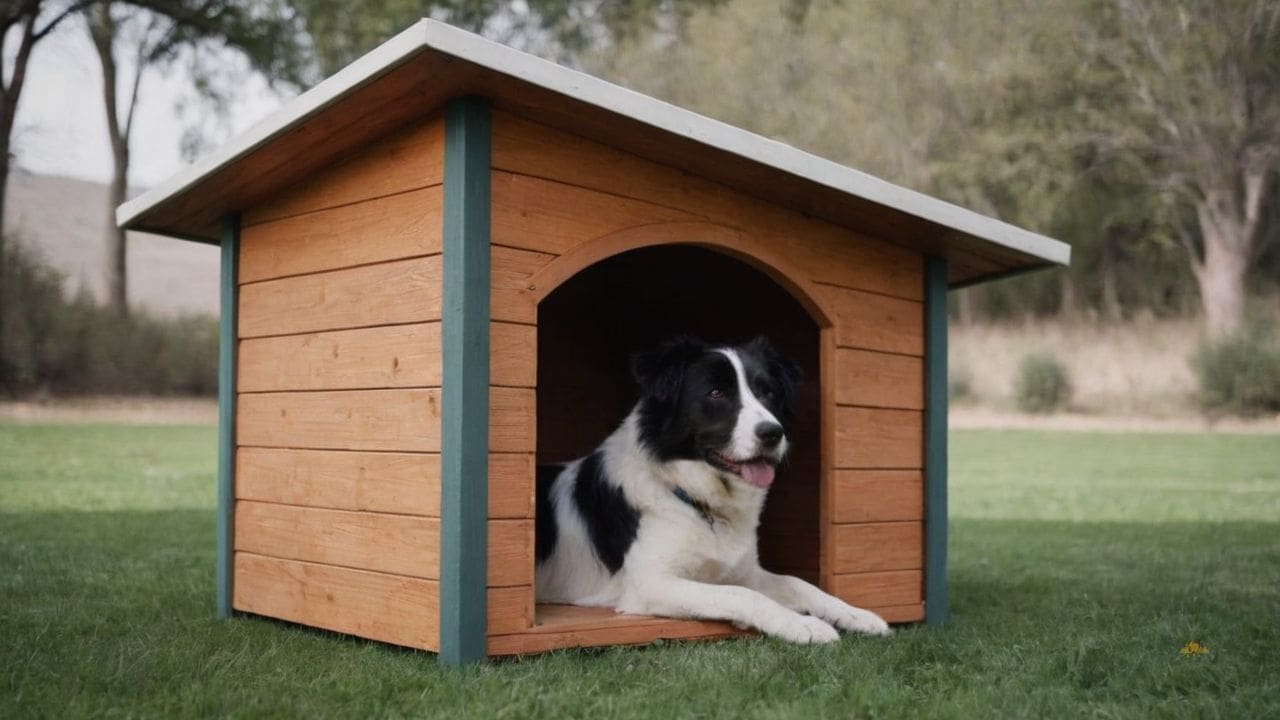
{"type": "Point", "coordinates": [591, 325]}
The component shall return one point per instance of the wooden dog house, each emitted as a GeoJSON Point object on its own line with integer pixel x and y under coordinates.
{"type": "Point", "coordinates": [434, 267]}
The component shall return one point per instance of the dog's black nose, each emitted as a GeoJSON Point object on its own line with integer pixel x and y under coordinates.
{"type": "Point", "coordinates": [769, 433]}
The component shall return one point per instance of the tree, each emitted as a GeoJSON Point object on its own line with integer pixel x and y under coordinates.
{"type": "Point", "coordinates": [1201, 113]}
{"type": "Point", "coordinates": [28, 22]}
{"type": "Point", "coordinates": [1107, 123]}
{"type": "Point", "coordinates": [156, 33]}
{"type": "Point", "coordinates": [342, 31]}
{"type": "Point", "coordinates": [944, 97]}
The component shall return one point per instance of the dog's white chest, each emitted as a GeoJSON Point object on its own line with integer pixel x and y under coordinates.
{"type": "Point", "coordinates": [707, 552]}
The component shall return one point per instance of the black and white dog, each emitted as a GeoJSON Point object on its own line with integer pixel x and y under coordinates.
{"type": "Point", "coordinates": [661, 519]}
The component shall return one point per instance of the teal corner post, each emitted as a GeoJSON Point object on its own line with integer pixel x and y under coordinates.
{"type": "Point", "coordinates": [229, 285]}
{"type": "Point", "coordinates": [464, 422]}
{"type": "Point", "coordinates": [936, 605]}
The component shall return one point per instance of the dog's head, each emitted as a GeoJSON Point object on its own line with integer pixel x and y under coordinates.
{"type": "Point", "coordinates": [728, 407]}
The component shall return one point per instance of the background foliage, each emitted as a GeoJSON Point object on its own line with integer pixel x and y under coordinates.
{"type": "Point", "coordinates": [56, 345]}
{"type": "Point", "coordinates": [1145, 133]}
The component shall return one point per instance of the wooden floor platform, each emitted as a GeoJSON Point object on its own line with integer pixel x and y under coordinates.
{"type": "Point", "coordinates": [564, 626]}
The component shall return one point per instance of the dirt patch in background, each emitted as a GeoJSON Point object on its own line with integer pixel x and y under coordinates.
{"type": "Point", "coordinates": [129, 411]}
{"type": "Point", "coordinates": [986, 418]}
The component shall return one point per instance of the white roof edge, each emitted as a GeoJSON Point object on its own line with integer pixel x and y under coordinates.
{"type": "Point", "coordinates": [594, 91]}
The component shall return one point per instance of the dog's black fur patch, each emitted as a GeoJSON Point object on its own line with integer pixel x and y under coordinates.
{"type": "Point", "coordinates": [611, 521]}
{"type": "Point", "coordinates": [545, 530]}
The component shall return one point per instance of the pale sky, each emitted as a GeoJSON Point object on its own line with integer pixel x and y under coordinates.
{"type": "Point", "coordinates": [61, 122]}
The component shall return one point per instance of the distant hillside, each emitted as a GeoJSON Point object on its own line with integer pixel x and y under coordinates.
{"type": "Point", "coordinates": [65, 220]}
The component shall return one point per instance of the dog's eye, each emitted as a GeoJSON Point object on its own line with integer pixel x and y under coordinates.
{"type": "Point", "coordinates": [716, 394]}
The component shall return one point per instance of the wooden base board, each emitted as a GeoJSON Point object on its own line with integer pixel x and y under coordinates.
{"type": "Point", "coordinates": [568, 626]}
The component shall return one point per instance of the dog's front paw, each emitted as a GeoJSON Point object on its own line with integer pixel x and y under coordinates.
{"type": "Point", "coordinates": [865, 622]}
{"type": "Point", "coordinates": [806, 630]}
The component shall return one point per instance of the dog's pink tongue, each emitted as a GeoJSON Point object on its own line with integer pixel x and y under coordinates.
{"type": "Point", "coordinates": [759, 474]}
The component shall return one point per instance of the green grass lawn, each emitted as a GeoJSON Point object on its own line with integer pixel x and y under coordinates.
{"type": "Point", "coordinates": [1080, 565]}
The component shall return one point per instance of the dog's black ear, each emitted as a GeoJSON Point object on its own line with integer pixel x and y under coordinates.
{"type": "Point", "coordinates": [660, 371]}
{"type": "Point", "coordinates": [785, 371]}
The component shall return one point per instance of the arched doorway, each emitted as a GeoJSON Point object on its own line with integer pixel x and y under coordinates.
{"type": "Point", "coordinates": [591, 323]}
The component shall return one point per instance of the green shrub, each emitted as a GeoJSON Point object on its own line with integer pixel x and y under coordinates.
{"type": "Point", "coordinates": [70, 346]}
{"type": "Point", "coordinates": [1043, 385]}
{"type": "Point", "coordinates": [1240, 374]}
{"type": "Point", "coordinates": [960, 384]}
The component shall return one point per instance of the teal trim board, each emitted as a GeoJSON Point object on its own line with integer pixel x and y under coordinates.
{"type": "Point", "coordinates": [224, 572]}
{"type": "Point", "coordinates": [464, 407]}
{"type": "Point", "coordinates": [935, 441]}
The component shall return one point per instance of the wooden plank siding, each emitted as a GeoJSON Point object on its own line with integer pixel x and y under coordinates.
{"type": "Point", "coordinates": [379, 606]}
{"type": "Point", "coordinates": [390, 293]}
{"type": "Point", "coordinates": [374, 605]}
{"type": "Point", "coordinates": [337, 521]}
{"type": "Point", "coordinates": [554, 193]}
{"type": "Point", "coordinates": [402, 419]}
{"type": "Point", "coordinates": [396, 544]}
{"type": "Point", "coordinates": [407, 159]}
{"type": "Point", "coordinates": [378, 357]}
{"type": "Point", "coordinates": [397, 226]}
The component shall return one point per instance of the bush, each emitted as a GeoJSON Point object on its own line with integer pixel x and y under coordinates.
{"type": "Point", "coordinates": [1240, 374]}
{"type": "Point", "coordinates": [960, 384]}
{"type": "Point", "coordinates": [62, 346]}
{"type": "Point", "coordinates": [1043, 385]}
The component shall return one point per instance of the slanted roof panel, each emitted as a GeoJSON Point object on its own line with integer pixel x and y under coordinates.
{"type": "Point", "coordinates": [416, 72]}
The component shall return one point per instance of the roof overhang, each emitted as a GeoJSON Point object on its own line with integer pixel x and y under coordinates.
{"type": "Point", "coordinates": [417, 71]}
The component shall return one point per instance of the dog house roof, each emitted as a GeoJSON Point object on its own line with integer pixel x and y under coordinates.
{"type": "Point", "coordinates": [421, 68]}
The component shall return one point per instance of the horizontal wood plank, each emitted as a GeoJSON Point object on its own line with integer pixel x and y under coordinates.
{"type": "Point", "coordinates": [898, 614]}
{"type": "Point", "coordinates": [406, 420]}
{"type": "Point", "coordinates": [510, 553]}
{"type": "Point", "coordinates": [513, 353]}
{"type": "Point", "coordinates": [874, 438]}
{"type": "Point", "coordinates": [879, 379]}
{"type": "Point", "coordinates": [388, 228]}
{"type": "Point", "coordinates": [874, 547]}
{"type": "Point", "coordinates": [880, 589]}
{"type": "Point", "coordinates": [877, 495]}
{"type": "Point", "coordinates": [513, 420]}
{"type": "Point", "coordinates": [403, 291]}
{"type": "Point", "coordinates": [511, 480]}
{"type": "Point", "coordinates": [407, 483]}
{"type": "Point", "coordinates": [379, 357]}
{"type": "Point", "coordinates": [390, 608]}
{"type": "Point", "coordinates": [408, 159]}
{"type": "Point", "coordinates": [874, 322]}
{"type": "Point", "coordinates": [391, 482]}
{"type": "Point", "coordinates": [399, 544]}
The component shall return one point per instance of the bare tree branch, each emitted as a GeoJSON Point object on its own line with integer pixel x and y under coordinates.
{"type": "Point", "coordinates": [67, 12]}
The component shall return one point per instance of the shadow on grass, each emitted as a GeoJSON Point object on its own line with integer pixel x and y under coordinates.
{"type": "Point", "coordinates": [113, 612]}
